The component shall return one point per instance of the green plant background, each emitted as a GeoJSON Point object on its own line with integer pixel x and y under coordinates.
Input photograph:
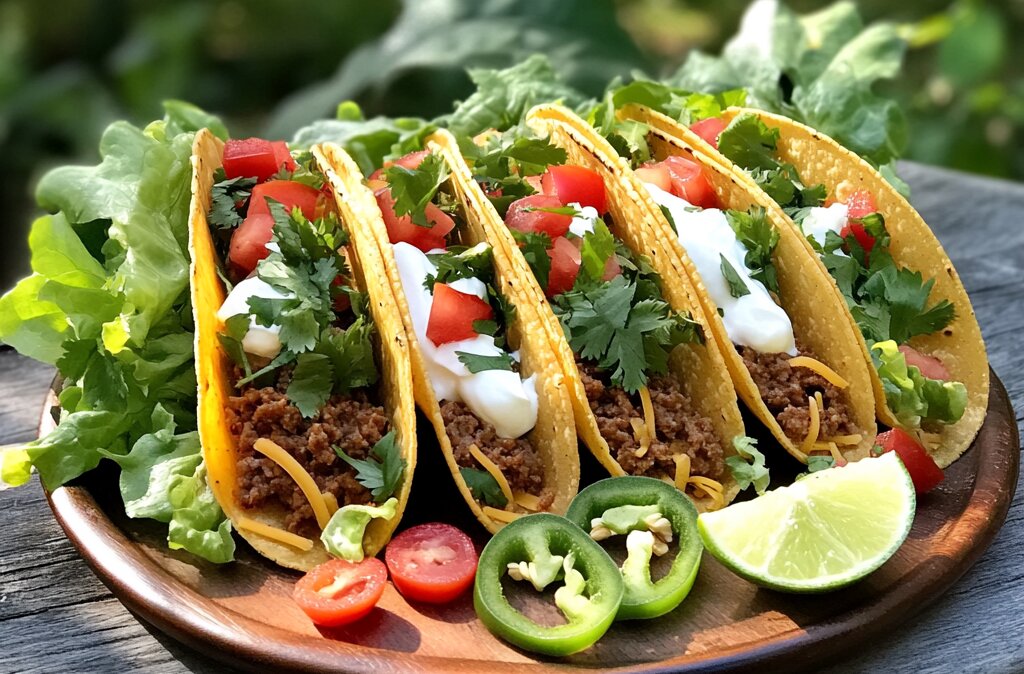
{"type": "Point", "coordinates": [70, 67]}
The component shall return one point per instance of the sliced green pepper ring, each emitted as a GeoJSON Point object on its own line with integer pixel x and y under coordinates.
{"type": "Point", "coordinates": [542, 549]}
{"type": "Point", "coordinates": [642, 508]}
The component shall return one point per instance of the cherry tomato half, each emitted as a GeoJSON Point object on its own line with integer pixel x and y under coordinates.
{"type": "Point", "coordinates": [575, 185]}
{"type": "Point", "coordinates": [860, 204]}
{"type": "Point", "coordinates": [930, 366]}
{"type": "Point", "coordinates": [249, 243]}
{"type": "Point", "coordinates": [523, 215]}
{"type": "Point", "coordinates": [404, 229]}
{"type": "Point", "coordinates": [922, 468]}
{"type": "Point", "coordinates": [433, 563]}
{"type": "Point", "coordinates": [452, 314]}
{"type": "Point", "coordinates": [690, 183]}
{"type": "Point", "coordinates": [709, 129]}
{"type": "Point", "coordinates": [289, 193]}
{"type": "Point", "coordinates": [339, 592]}
{"type": "Point", "coordinates": [565, 266]}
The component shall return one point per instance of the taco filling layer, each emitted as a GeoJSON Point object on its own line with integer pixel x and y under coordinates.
{"type": "Point", "coordinates": [460, 321]}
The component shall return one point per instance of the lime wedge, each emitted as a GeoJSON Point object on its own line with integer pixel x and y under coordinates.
{"type": "Point", "coordinates": [823, 532]}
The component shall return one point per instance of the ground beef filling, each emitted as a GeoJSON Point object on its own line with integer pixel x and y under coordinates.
{"type": "Point", "coordinates": [515, 457]}
{"type": "Point", "coordinates": [785, 391]}
{"type": "Point", "coordinates": [679, 429]}
{"type": "Point", "coordinates": [350, 422]}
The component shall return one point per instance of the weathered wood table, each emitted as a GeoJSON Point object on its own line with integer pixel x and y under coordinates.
{"type": "Point", "coordinates": [56, 616]}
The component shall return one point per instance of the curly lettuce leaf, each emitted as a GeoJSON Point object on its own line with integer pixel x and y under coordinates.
{"type": "Point", "coordinates": [915, 399]}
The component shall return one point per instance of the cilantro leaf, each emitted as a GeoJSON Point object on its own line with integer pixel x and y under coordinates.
{"type": "Point", "coordinates": [759, 237]}
{"type": "Point", "coordinates": [816, 462]}
{"type": "Point", "coordinates": [311, 384]}
{"type": "Point", "coordinates": [225, 194]}
{"type": "Point", "coordinates": [598, 246]}
{"type": "Point", "coordinates": [477, 363]}
{"type": "Point", "coordinates": [413, 189]}
{"type": "Point", "coordinates": [535, 246]}
{"type": "Point", "coordinates": [484, 487]}
{"type": "Point", "coordinates": [231, 338]}
{"type": "Point", "coordinates": [668, 216]}
{"type": "Point", "coordinates": [458, 263]}
{"type": "Point", "coordinates": [350, 352]}
{"type": "Point", "coordinates": [748, 465]}
{"type": "Point", "coordinates": [485, 327]}
{"type": "Point", "coordinates": [737, 288]}
{"type": "Point", "coordinates": [381, 472]}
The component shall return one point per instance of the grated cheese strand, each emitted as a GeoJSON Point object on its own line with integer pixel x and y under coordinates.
{"type": "Point", "coordinates": [818, 367]}
{"type": "Point", "coordinates": [852, 439]}
{"type": "Point", "coordinates": [331, 501]}
{"type": "Point", "coordinates": [500, 515]}
{"type": "Point", "coordinates": [682, 471]}
{"type": "Point", "coordinates": [527, 501]}
{"type": "Point", "coordinates": [837, 456]}
{"type": "Point", "coordinates": [813, 427]}
{"type": "Point", "coordinates": [307, 484]}
{"type": "Point", "coordinates": [273, 533]}
{"type": "Point", "coordinates": [711, 488]}
{"type": "Point", "coordinates": [495, 472]}
{"type": "Point", "coordinates": [648, 406]}
{"type": "Point", "coordinates": [640, 433]}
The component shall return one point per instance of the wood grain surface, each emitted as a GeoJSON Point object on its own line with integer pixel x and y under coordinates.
{"type": "Point", "coordinates": [55, 615]}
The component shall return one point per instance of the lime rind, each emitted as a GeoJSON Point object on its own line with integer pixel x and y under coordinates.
{"type": "Point", "coordinates": [823, 532]}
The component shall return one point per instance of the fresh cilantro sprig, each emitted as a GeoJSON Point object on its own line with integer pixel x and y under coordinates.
{"type": "Point", "coordinates": [476, 363]}
{"type": "Point", "coordinates": [816, 462]}
{"type": "Point", "coordinates": [305, 171]}
{"type": "Point", "coordinates": [226, 196]}
{"type": "Point", "coordinates": [501, 162]}
{"type": "Point", "coordinates": [748, 464]}
{"type": "Point", "coordinates": [381, 472]}
{"type": "Point", "coordinates": [534, 246]}
{"type": "Point", "coordinates": [737, 288]}
{"type": "Point", "coordinates": [459, 262]}
{"type": "Point", "coordinates": [413, 189]}
{"type": "Point", "coordinates": [484, 487]}
{"type": "Point", "coordinates": [759, 237]}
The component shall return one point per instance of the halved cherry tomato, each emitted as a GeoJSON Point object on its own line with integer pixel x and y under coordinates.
{"type": "Point", "coordinates": [249, 243]}
{"type": "Point", "coordinates": [289, 193]}
{"type": "Point", "coordinates": [282, 157]}
{"type": "Point", "coordinates": [433, 563]}
{"type": "Point", "coordinates": [922, 468]}
{"type": "Point", "coordinates": [689, 182]}
{"type": "Point", "coordinates": [452, 314]}
{"type": "Point", "coordinates": [565, 266]}
{"type": "Point", "coordinates": [575, 185]}
{"type": "Point", "coordinates": [657, 175]}
{"type": "Point", "coordinates": [404, 229]}
{"type": "Point", "coordinates": [250, 158]}
{"type": "Point", "coordinates": [930, 366]}
{"type": "Point", "coordinates": [522, 215]}
{"type": "Point", "coordinates": [339, 592]}
{"type": "Point", "coordinates": [709, 129]}
{"type": "Point", "coordinates": [860, 204]}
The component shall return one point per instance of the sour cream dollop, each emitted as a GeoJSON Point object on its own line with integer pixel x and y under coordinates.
{"type": "Point", "coordinates": [584, 220]}
{"type": "Point", "coordinates": [499, 397]}
{"type": "Point", "coordinates": [260, 340]}
{"type": "Point", "coordinates": [754, 319]}
{"type": "Point", "coordinates": [820, 221]}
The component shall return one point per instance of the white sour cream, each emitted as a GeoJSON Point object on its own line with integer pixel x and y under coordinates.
{"type": "Point", "coordinates": [820, 221]}
{"type": "Point", "coordinates": [584, 220]}
{"type": "Point", "coordinates": [754, 320]}
{"type": "Point", "coordinates": [260, 340]}
{"type": "Point", "coordinates": [499, 397]}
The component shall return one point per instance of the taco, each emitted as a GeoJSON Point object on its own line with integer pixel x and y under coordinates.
{"type": "Point", "coordinates": [306, 414]}
{"type": "Point", "coordinates": [652, 396]}
{"type": "Point", "coordinates": [483, 373]}
{"type": "Point", "coordinates": [914, 320]}
{"type": "Point", "coordinates": [768, 302]}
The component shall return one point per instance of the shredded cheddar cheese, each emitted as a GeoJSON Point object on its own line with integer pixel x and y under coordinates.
{"type": "Point", "coordinates": [817, 366]}
{"type": "Point", "coordinates": [331, 501]}
{"type": "Point", "coordinates": [527, 501]}
{"type": "Point", "coordinates": [495, 472]}
{"type": "Point", "coordinates": [711, 488]}
{"type": "Point", "coordinates": [500, 515]}
{"type": "Point", "coordinates": [837, 456]}
{"type": "Point", "coordinates": [273, 533]}
{"type": "Point", "coordinates": [852, 439]}
{"type": "Point", "coordinates": [812, 428]}
{"type": "Point", "coordinates": [645, 400]}
{"type": "Point", "coordinates": [682, 471]}
{"type": "Point", "coordinates": [307, 484]}
{"type": "Point", "coordinates": [640, 433]}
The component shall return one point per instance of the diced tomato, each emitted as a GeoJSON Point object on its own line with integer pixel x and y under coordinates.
{"type": "Point", "coordinates": [339, 592]}
{"type": "Point", "coordinates": [452, 314]}
{"type": "Point", "coordinates": [612, 268]}
{"type": "Point", "coordinates": [250, 158]}
{"type": "Point", "coordinates": [282, 157]}
{"type": "Point", "coordinates": [657, 175]}
{"type": "Point", "coordinates": [433, 563]}
{"type": "Point", "coordinates": [922, 468]}
{"type": "Point", "coordinates": [289, 193]}
{"type": "Point", "coordinates": [709, 129]}
{"type": "Point", "coordinates": [342, 302]}
{"type": "Point", "coordinates": [575, 185]}
{"type": "Point", "coordinates": [523, 216]}
{"type": "Point", "coordinates": [404, 229]}
{"type": "Point", "coordinates": [249, 243]}
{"type": "Point", "coordinates": [410, 161]}
{"type": "Point", "coordinates": [535, 183]}
{"type": "Point", "coordinates": [860, 204]}
{"type": "Point", "coordinates": [689, 182]}
{"type": "Point", "coordinates": [565, 266]}
{"type": "Point", "coordinates": [930, 366]}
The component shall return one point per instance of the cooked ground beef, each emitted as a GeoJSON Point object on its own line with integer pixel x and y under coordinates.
{"type": "Point", "coordinates": [350, 422]}
{"type": "Point", "coordinates": [678, 428]}
{"type": "Point", "coordinates": [785, 391]}
{"type": "Point", "coordinates": [515, 457]}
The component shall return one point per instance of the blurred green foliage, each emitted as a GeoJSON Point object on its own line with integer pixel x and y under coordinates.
{"type": "Point", "coordinates": [69, 68]}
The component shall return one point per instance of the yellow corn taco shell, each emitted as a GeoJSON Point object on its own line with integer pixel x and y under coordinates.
{"type": "Point", "coordinates": [213, 366]}
{"type": "Point", "coordinates": [805, 288]}
{"type": "Point", "coordinates": [699, 368]}
{"type": "Point", "coordinates": [553, 437]}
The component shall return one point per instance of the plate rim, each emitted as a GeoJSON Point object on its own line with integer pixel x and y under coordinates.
{"type": "Point", "coordinates": [244, 645]}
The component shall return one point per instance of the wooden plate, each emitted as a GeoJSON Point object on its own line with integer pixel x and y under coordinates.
{"type": "Point", "coordinates": [242, 613]}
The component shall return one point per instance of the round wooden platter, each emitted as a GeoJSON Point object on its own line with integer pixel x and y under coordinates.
{"type": "Point", "coordinates": [242, 613]}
